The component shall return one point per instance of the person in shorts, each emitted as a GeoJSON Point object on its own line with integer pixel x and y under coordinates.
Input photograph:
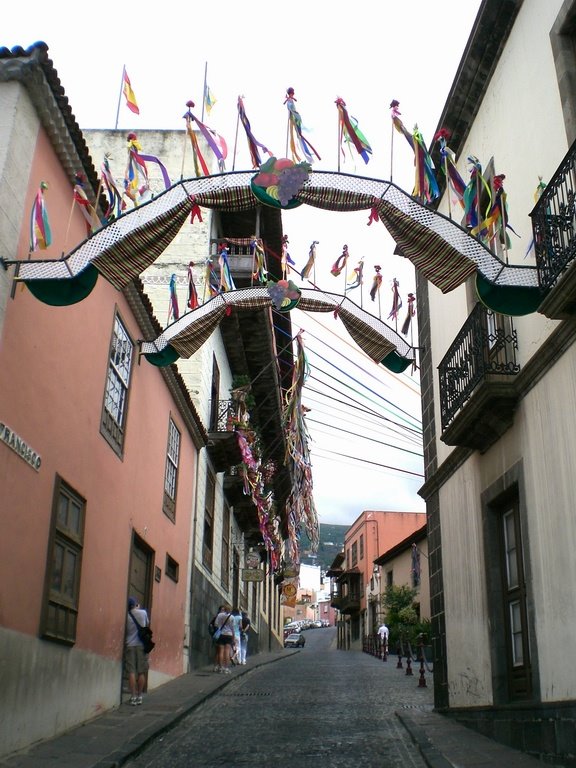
{"type": "Point", "coordinates": [135, 660]}
{"type": "Point", "coordinates": [225, 641]}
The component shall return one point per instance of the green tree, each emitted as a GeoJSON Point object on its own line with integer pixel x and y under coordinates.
{"type": "Point", "coordinates": [402, 616]}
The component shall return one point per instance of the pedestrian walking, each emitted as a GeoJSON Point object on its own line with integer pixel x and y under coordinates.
{"type": "Point", "coordinates": [224, 637]}
{"type": "Point", "coordinates": [244, 628]}
{"type": "Point", "coordinates": [236, 625]}
{"type": "Point", "coordinates": [135, 660]}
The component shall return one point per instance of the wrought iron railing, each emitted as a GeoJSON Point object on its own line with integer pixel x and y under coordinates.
{"type": "Point", "coordinates": [554, 223]}
{"type": "Point", "coordinates": [223, 416]}
{"type": "Point", "coordinates": [485, 346]}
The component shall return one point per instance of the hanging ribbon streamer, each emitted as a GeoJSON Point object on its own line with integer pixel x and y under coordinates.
{"type": "Point", "coordinates": [40, 233]}
{"type": "Point", "coordinates": [211, 280]}
{"type": "Point", "coordinates": [253, 145]}
{"type": "Point", "coordinates": [340, 262]}
{"type": "Point", "coordinates": [192, 302]}
{"type": "Point", "coordinates": [216, 143]}
{"type": "Point", "coordinates": [258, 260]}
{"type": "Point", "coordinates": [425, 184]}
{"type": "Point", "coordinates": [226, 280]}
{"type": "Point", "coordinates": [286, 259]}
{"type": "Point", "coordinates": [115, 203]}
{"type": "Point", "coordinates": [410, 314]}
{"type": "Point", "coordinates": [454, 181]}
{"type": "Point", "coordinates": [295, 129]}
{"type": "Point", "coordinates": [376, 283]}
{"type": "Point", "coordinates": [477, 190]}
{"type": "Point", "coordinates": [396, 300]}
{"type": "Point", "coordinates": [173, 309]}
{"type": "Point", "coordinates": [355, 278]}
{"type": "Point", "coordinates": [88, 211]}
{"type": "Point", "coordinates": [311, 260]}
{"type": "Point", "coordinates": [349, 132]}
{"type": "Point", "coordinates": [136, 184]}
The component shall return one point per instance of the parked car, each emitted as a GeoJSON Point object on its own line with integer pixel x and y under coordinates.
{"type": "Point", "coordinates": [294, 641]}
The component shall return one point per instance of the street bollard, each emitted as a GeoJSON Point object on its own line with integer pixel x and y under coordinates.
{"type": "Point", "coordinates": [399, 652]}
{"type": "Point", "coordinates": [385, 652]}
{"type": "Point", "coordinates": [422, 680]}
{"type": "Point", "coordinates": [409, 664]}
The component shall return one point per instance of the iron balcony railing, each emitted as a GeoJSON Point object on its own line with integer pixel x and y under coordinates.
{"type": "Point", "coordinates": [223, 415]}
{"type": "Point", "coordinates": [485, 346]}
{"type": "Point", "coordinates": [554, 223]}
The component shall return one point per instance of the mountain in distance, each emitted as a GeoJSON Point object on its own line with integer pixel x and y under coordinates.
{"type": "Point", "coordinates": [331, 544]}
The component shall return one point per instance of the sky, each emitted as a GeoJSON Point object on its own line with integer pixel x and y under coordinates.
{"type": "Point", "coordinates": [364, 422]}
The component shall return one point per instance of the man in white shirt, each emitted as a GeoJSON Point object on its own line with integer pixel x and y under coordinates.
{"type": "Point", "coordinates": [383, 634]}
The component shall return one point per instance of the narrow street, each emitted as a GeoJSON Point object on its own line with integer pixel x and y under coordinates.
{"type": "Point", "coordinates": [318, 707]}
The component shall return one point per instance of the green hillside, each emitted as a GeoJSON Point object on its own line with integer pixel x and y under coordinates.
{"type": "Point", "coordinates": [331, 543]}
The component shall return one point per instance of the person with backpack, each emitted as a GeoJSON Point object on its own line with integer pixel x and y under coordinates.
{"type": "Point", "coordinates": [134, 656]}
{"type": "Point", "coordinates": [224, 638]}
{"type": "Point", "coordinates": [244, 627]}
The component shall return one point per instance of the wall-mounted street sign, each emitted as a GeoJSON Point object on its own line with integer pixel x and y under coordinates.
{"type": "Point", "coordinates": [14, 441]}
{"type": "Point", "coordinates": [252, 574]}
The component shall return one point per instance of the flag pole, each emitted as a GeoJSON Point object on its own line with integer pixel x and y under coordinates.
{"type": "Point", "coordinates": [204, 91]}
{"type": "Point", "coordinates": [120, 97]}
{"type": "Point", "coordinates": [236, 134]}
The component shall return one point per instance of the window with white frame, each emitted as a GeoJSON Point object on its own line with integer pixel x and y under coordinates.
{"type": "Point", "coordinates": [171, 471]}
{"type": "Point", "coordinates": [113, 424]}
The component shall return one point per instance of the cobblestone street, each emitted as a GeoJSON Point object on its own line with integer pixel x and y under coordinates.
{"type": "Point", "coordinates": [319, 707]}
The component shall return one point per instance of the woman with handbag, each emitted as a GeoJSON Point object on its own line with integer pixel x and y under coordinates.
{"type": "Point", "coordinates": [134, 656]}
{"type": "Point", "coordinates": [224, 639]}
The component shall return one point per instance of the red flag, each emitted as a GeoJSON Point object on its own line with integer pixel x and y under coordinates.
{"type": "Point", "coordinates": [129, 93]}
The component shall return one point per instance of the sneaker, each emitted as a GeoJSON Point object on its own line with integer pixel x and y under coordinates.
{"type": "Point", "coordinates": [138, 700]}
{"type": "Point", "coordinates": [225, 671]}
{"type": "Point", "coordinates": [133, 701]}
{"type": "Point", "coordinates": [217, 669]}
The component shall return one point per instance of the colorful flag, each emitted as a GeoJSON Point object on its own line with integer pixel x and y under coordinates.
{"type": "Point", "coordinates": [88, 211]}
{"type": "Point", "coordinates": [340, 262]}
{"type": "Point", "coordinates": [311, 260]}
{"type": "Point", "coordinates": [129, 93]}
{"type": "Point", "coordinates": [209, 98]}
{"type": "Point", "coordinates": [40, 234]}
{"type": "Point", "coordinates": [214, 140]}
{"type": "Point", "coordinates": [425, 184]}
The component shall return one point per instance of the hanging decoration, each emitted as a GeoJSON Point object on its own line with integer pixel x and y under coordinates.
{"type": "Point", "coordinates": [477, 197]}
{"type": "Point", "coordinates": [116, 204]}
{"type": "Point", "coordinates": [455, 183]}
{"type": "Point", "coordinates": [396, 300]}
{"type": "Point", "coordinates": [226, 279]}
{"type": "Point", "coordinates": [211, 279]}
{"type": "Point", "coordinates": [136, 178]}
{"type": "Point", "coordinates": [285, 294]}
{"type": "Point", "coordinates": [349, 132]}
{"type": "Point", "coordinates": [93, 223]}
{"type": "Point", "coordinates": [40, 233]}
{"type": "Point", "coordinates": [286, 260]}
{"type": "Point", "coordinates": [425, 184]}
{"type": "Point", "coordinates": [355, 278]}
{"type": "Point", "coordinates": [258, 260]}
{"type": "Point", "coordinates": [253, 145]}
{"type": "Point", "coordinates": [278, 182]}
{"type": "Point", "coordinates": [340, 262]}
{"type": "Point", "coordinates": [173, 309]}
{"type": "Point", "coordinates": [311, 263]}
{"type": "Point", "coordinates": [376, 283]}
{"type": "Point", "coordinates": [301, 501]}
{"type": "Point", "coordinates": [192, 302]}
{"type": "Point", "coordinates": [216, 143]}
{"type": "Point", "coordinates": [295, 132]}
{"type": "Point", "coordinates": [411, 312]}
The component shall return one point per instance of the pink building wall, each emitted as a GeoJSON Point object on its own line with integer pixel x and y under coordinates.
{"type": "Point", "coordinates": [53, 368]}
